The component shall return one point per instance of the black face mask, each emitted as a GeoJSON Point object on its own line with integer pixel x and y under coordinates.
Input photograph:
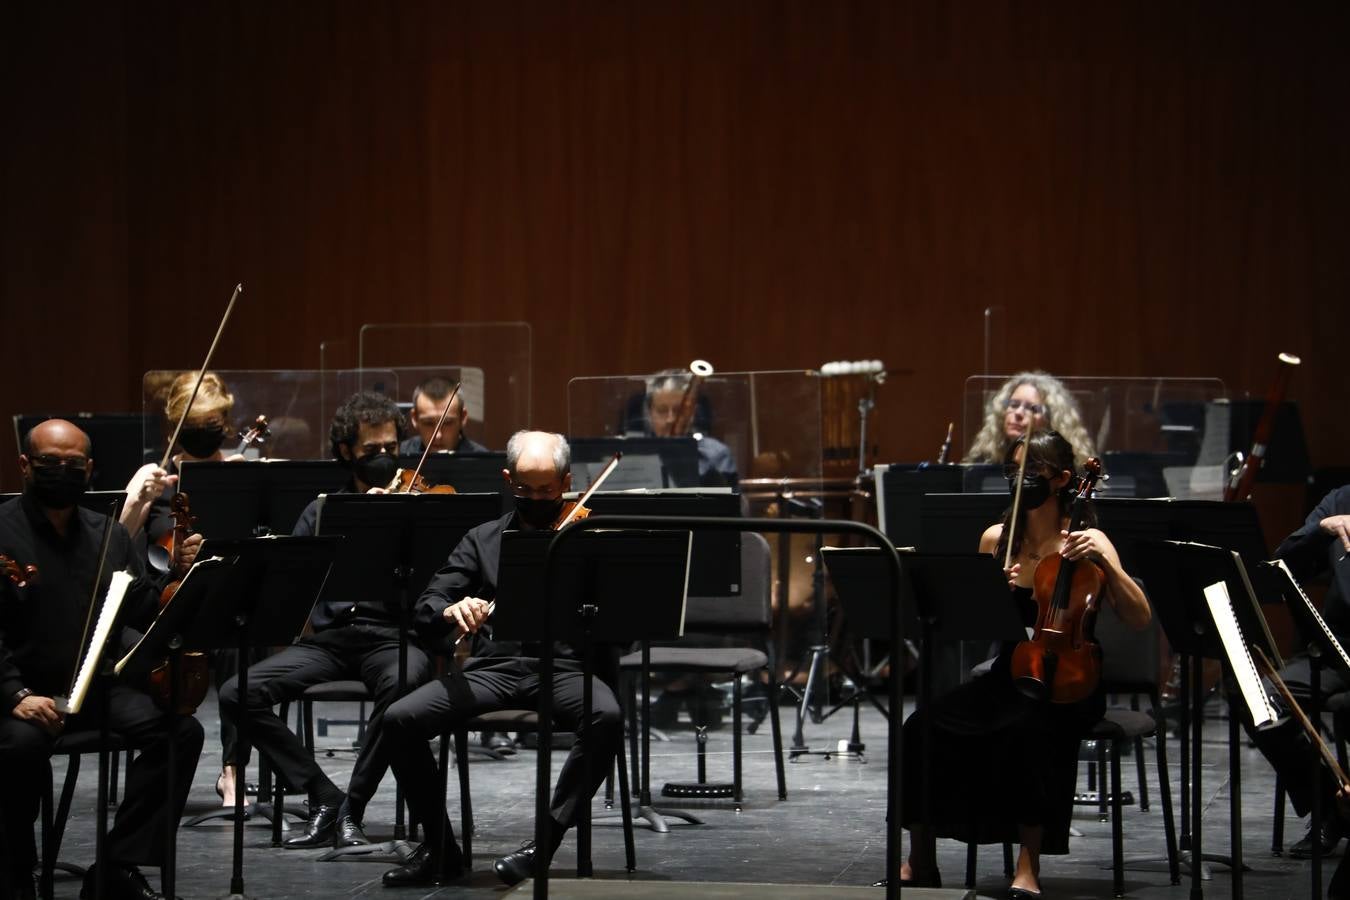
{"type": "Point", "coordinates": [538, 513]}
{"type": "Point", "coordinates": [377, 470]}
{"type": "Point", "coordinates": [57, 487]}
{"type": "Point", "coordinates": [1035, 490]}
{"type": "Point", "coordinates": [199, 443]}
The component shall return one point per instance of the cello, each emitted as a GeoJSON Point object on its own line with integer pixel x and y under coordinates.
{"type": "Point", "coordinates": [1061, 662]}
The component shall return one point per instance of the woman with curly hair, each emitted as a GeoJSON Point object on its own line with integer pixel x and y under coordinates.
{"type": "Point", "coordinates": [1029, 396]}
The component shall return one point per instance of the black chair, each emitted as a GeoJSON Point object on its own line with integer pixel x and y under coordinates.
{"type": "Point", "coordinates": [73, 746]}
{"type": "Point", "coordinates": [1339, 706]}
{"type": "Point", "coordinates": [748, 616]}
{"type": "Point", "coordinates": [1130, 664]}
{"type": "Point", "coordinates": [518, 721]}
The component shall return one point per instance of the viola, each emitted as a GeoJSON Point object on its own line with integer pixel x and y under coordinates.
{"type": "Point", "coordinates": [19, 574]}
{"type": "Point", "coordinates": [193, 667]}
{"type": "Point", "coordinates": [1061, 662]}
{"type": "Point", "coordinates": [577, 509]}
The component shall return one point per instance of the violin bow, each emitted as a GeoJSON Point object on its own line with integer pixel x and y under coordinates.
{"type": "Point", "coordinates": [1017, 494]}
{"type": "Point", "coordinates": [595, 486]}
{"type": "Point", "coordinates": [1297, 711]}
{"type": "Point", "coordinates": [201, 373]}
{"type": "Point", "coordinates": [426, 451]}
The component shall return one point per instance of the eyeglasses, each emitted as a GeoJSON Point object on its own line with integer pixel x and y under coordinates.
{"type": "Point", "coordinates": [524, 491]}
{"type": "Point", "coordinates": [1035, 409]}
{"type": "Point", "coordinates": [372, 449]}
{"type": "Point", "coordinates": [48, 461]}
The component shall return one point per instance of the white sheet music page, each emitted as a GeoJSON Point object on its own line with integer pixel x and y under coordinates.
{"type": "Point", "coordinates": [1239, 659]}
{"type": "Point", "coordinates": [112, 603]}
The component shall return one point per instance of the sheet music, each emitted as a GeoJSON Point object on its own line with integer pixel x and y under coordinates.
{"type": "Point", "coordinates": [1292, 583]}
{"type": "Point", "coordinates": [1239, 659]}
{"type": "Point", "coordinates": [112, 603]}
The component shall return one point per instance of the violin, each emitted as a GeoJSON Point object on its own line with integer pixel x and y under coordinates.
{"type": "Point", "coordinates": [193, 667]}
{"type": "Point", "coordinates": [1061, 662]}
{"type": "Point", "coordinates": [410, 481]}
{"type": "Point", "coordinates": [165, 550]}
{"type": "Point", "coordinates": [16, 573]}
{"type": "Point", "coordinates": [255, 435]}
{"type": "Point", "coordinates": [577, 509]}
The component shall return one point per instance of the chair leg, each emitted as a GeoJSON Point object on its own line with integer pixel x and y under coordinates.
{"type": "Point", "coordinates": [114, 761]}
{"type": "Point", "coordinates": [307, 710]}
{"type": "Point", "coordinates": [1103, 800]}
{"type": "Point", "coordinates": [636, 783]}
{"type": "Point", "coordinates": [972, 852]}
{"type": "Point", "coordinates": [736, 795]}
{"type": "Point", "coordinates": [777, 736]}
{"type": "Point", "coordinates": [626, 811]}
{"type": "Point", "coordinates": [1007, 860]}
{"type": "Point", "coordinates": [48, 851]}
{"type": "Point", "coordinates": [1117, 828]}
{"type": "Point", "coordinates": [1165, 789]}
{"type": "Point", "coordinates": [465, 800]}
{"type": "Point", "coordinates": [58, 830]}
{"type": "Point", "coordinates": [1277, 822]}
{"type": "Point", "coordinates": [1140, 768]}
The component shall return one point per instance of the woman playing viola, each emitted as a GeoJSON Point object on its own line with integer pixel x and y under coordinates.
{"type": "Point", "coordinates": [987, 732]}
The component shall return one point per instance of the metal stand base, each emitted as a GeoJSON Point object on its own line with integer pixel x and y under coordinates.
{"type": "Point", "coordinates": [396, 851]}
{"type": "Point", "coordinates": [265, 810]}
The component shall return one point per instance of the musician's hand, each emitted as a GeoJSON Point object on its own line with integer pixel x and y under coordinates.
{"type": "Point", "coordinates": [41, 711]}
{"type": "Point", "coordinates": [187, 552]}
{"type": "Point", "coordinates": [377, 490]}
{"type": "Point", "coordinates": [1013, 572]}
{"type": "Point", "coordinates": [1086, 544]}
{"type": "Point", "coordinates": [148, 483]}
{"type": "Point", "coordinates": [1338, 526]}
{"type": "Point", "coordinates": [468, 615]}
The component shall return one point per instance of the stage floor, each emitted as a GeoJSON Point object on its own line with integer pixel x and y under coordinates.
{"type": "Point", "coordinates": [829, 832]}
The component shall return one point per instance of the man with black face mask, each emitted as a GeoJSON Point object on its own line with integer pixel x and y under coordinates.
{"type": "Point", "coordinates": [40, 630]}
{"type": "Point", "coordinates": [356, 638]}
{"type": "Point", "coordinates": [499, 675]}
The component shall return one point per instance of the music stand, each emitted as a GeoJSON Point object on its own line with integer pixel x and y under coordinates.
{"type": "Point", "coordinates": [1177, 574]}
{"type": "Point", "coordinates": [468, 473]}
{"type": "Point", "coordinates": [239, 595]}
{"type": "Point", "coordinates": [900, 489]}
{"type": "Point", "coordinates": [593, 582]}
{"type": "Point", "coordinates": [252, 498]}
{"type": "Point", "coordinates": [394, 544]}
{"type": "Point", "coordinates": [649, 462]}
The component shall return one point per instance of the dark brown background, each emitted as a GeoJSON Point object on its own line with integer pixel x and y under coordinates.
{"type": "Point", "coordinates": [1143, 189]}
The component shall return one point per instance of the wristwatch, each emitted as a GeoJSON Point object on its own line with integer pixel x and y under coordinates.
{"type": "Point", "coordinates": [20, 694]}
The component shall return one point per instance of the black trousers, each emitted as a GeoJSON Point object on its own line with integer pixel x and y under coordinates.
{"type": "Point", "coordinates": [138, 834]}
{"type": "Point", "coordinates": [366, 653]}
{"type": "Point", "coordinates": [510, 683]}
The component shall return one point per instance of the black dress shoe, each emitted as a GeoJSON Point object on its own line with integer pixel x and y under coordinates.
{"type": "Point", "coordinates": [1331, 837]}
{"type": "Point", "coordinates": [119, 883]}
{"type": "Point", "coordinates": [420, 870]}
{"type": "Point", "coordinates": [513, 868]}
{"type": "Point", "coordinates": [348, 832]}
{"type": "Point", "coordinates": [319, 831]}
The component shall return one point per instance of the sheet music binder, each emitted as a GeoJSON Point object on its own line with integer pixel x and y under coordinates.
{"type": "Point", "coordinates": [93, 655]}
{"type": "Point", "coordinates": [1273, 578]}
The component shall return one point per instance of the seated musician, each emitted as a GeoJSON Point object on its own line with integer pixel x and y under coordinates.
{"type": "Point", "coordinates": [1003, 766]}
{"type": "Point", "coordinates": [1320, 547]}
{"type": "Point", "coordinates": [41, 626]}
{"type": "Point", "coordinates": [496, 677]}
{"type": "Point", "coordinates": [1029, 397]}
{"type": "Point", "coordinates": [429, 400]}
{"type": "Point", "coordinates": [357, 638]}
{"type": "Point", "coordinates": [665, 394]}
{"type": "Point", "coordinates": [150, 494]}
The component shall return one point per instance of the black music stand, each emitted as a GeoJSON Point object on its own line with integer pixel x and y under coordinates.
{"type": "Point", "coordinates": [649, 462]}
{"type": "Point", "coordinates": [900, 489]}
{"type": "Point", "coordinates": [468, 473]}
{"type": "Point", "coordinates": [393, 544]}
{"type": "Point", "coordinates": [595, 579]}
{"type": "Point", "coordinates": [253, 498]}
{"type": "Point", "coordinates": [253, 593]}
{"type": "Point", "coordinates": [1177, 574]}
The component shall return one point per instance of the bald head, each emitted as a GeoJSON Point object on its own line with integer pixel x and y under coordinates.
{"type": "Point", "coordinates": [57, 437]}
{"type": "Point", "coordinates": [56, 463]}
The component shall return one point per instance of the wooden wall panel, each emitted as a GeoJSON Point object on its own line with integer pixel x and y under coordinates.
{"type": "Point", "coordinates": [1137, 189]}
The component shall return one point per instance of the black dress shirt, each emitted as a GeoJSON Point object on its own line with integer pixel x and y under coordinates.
{"type": "Point", "coordinates": [41, 624]}
{"type": "Point", "coordinates": [1310, 552]}
{"type": "Point", "coordinates": [413, 446]}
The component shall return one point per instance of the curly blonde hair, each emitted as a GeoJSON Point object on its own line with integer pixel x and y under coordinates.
{"type": "Point", "coordinates": [1061, 414]}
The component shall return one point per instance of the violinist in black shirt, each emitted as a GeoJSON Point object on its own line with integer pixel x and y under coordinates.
{"type": "Point", "coordinates": [497, 676]}
{"type": "Point", "coordinates": [353, 639]}
{"type": "Point", "coordinates": [429, 400]}
{"type": "Point", "coordinates": [40, 631]}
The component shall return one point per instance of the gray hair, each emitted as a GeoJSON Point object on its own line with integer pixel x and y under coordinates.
{"type": "Point", "coordinates": [562, 452]}
{"type": "Point", "coordinates": [667, 380]}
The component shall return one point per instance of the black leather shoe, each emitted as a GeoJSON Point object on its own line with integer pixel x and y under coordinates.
{"type": "Point", "coordinates": [348, 832]}
{"type": "Point", "coordinates": [120, 883]}
{"type": "Point", "coordinates": [319, 831]}
{"type": "Point", "coordinates": [420, 870]}
{"type": "Point", "coordinates": [495, 740]}
{"type": "Point", "coordinates": [1331, 837]}
{"type": "Point", "coordinates": [513, 868]}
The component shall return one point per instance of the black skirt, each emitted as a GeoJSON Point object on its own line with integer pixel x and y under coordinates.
{"type": "Point", "coordinates": [999, 760]}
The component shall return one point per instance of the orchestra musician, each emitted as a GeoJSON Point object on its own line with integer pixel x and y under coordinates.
{"type": "Point", "coordinates": [497, 676]}
{"type": "Point", "coordinates": [40, 635]}
{"type": "Point", "coordinates": [665, 394]}
{"type": "Point", "coordinates": [429, 400]}
{"type": "Point", "coordinates": [987, 732]}
{"type": "Point", "coordinates": [356, 638]}
{"type": "Point", "coordinates": [150, 495]}
{"type": "Point", "coordinates": [1035, 398]}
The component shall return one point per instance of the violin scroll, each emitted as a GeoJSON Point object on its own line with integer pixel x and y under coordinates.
{"type": "Point", "coordinates": [19, 574]}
